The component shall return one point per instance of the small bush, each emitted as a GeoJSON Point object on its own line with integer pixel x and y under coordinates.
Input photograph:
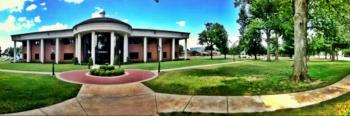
{"type": "Point", "coordinates": [75, 61]}
{"type": "Point", "coordinates": [107, 71]}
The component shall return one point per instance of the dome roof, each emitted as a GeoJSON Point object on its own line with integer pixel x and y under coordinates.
{"type": "Point", "coordinates": [101, 20]}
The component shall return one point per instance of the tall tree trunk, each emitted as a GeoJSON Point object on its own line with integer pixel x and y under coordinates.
{"type": "Point", "coordinates": [325, 55]}
{"type": "Point", "coordinates": [255, 57]}
{"type": "Point", "coordinates": [211, 51]}
{"type": "Point", "coordinates": [300, 32]}
{"type": "Point", "coordinates": [225, 56]}
{"type": "Point", "coordinates": [277, 48]}
{"type": "Point", "coordinates": [268, 57]}
{"type": "Point", "coordinates": [333, 54]}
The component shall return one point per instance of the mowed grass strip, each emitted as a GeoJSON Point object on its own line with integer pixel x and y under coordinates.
{"type": "Point", "coordinates": [21, 92]}
{"type": "Point", "coordinates": [247, 78]}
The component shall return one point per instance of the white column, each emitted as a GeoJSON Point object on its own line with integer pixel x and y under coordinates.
{"type": "Point", "coordinates": [113, 40]}
{"type": "Point", "coordinates": [160, 49]}
{"type": "Point", "coordinates": [185, 51]}
{"type": "Point", "coordinates": [28, 51]}
{"type": "Point", "coordinates": [79, 48]}
{"type": "Point", "coordinates": [57, 50]}
{"type": "Point", "coordinates": [14, 51]}
{"type": "Point", "coordinates": [93, 45]}
{"type": "Point", "coordinates": [42, 50]}
{"type": "Point", "coordinates": [126, 47]}
{"type": "Point", "coordinates": [145, 49]}
{"type": "Point", "coordinates": [173, 49]}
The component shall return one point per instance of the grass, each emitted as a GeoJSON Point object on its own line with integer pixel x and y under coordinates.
{"type": "Point", "coordinates": [20, 92]}
{"type": "Point", "coordinates": [176, 64]}
{"type": "Point", "coordinates": [247, 78]}
{"type": "Point", "coordinates": [146, 66]}
{"type": "Point", "coordinates": [47, 67]}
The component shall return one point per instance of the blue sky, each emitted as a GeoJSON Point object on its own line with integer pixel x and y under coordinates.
{"type": "Point", "coordinates": [22, 16]}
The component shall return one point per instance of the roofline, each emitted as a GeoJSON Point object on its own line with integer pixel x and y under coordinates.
{"type": "Point", "coordinates": [83, 22]}
{"type": "Point", "coordinates": [41, 32]}
{"type": "Point", "coordinates": [143, 29]}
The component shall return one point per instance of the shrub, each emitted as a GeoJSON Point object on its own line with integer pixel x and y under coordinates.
{"type": "Point", "coordinates": [90, 63]}
{"type": "Point", "coordinates": [75, 61]}
{"type": "Point", "coordinates": [107, 71]}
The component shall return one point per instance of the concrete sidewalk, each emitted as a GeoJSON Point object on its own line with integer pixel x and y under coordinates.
{"type": "Point", "coordinates": [137, 99]}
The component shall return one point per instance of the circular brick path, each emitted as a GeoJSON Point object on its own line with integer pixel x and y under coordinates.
{"type": "Point", "coordinates": [81, 77]}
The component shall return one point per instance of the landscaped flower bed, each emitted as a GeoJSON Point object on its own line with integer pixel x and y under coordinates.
{"type": "Point", "coordinates": [107, 71]}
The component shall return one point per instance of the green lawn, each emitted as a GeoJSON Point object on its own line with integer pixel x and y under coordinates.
{"type": "Point", "coordinates": [146, 66]}
{"type": "Point", "coordinates": [176, 64]}
{"type": "Point", "coordinates": [20, 92]}
{"type": "Point", "coordinates": [247, 78]}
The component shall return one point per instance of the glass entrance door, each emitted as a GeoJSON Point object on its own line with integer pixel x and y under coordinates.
{"type": "Point", "coordinates": [103, 48]}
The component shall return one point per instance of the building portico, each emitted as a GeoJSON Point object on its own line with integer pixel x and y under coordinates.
{"type": "Point", "coordinates": [101, 39]}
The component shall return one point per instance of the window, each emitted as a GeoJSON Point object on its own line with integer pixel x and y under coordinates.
{"type": "Point", "coordinates": [134, 55]}
{"type": "Point", "coordinates": [149, 55]}
{"type": "Point", "coordinates": [67, 41]}
{"type": "Point", "coordinates": [68, 56]}
{"type": "Point", "coordinates": [36, 57]}
{"type": "Point", "coordinates": [52, 56]}
{"type": "Point", "coordinates": [24, 56]}
{"type": "Point", "coordinates": [164, 55]}
{"type": "Point", "coordinates": [36, 43]}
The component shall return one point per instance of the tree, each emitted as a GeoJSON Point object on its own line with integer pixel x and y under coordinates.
{"type": "Point", "coordinates": [220, 38]}
{"type": "Point", "coordinates": [0, 52]}
{"type": "Point", "coordinates": [265, 10]}
{"type": "Point", "coordinates": [300, 33]}
{"type": "Point", "coordinates": [253, 38]}
{"type": "Point", "coordinates": [215, 34]}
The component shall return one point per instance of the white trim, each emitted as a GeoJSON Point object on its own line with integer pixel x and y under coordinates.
{"type": "Point", "coordinates": [57, 51]}
{"type": "Point", "coordinates": [93, 45]}
{"type": "Point", "coordinates": [145, 49]}
{"type": "Point", "coordinates": [173, 49]}
{"type": "Point", "coordinates": [113, 42]}
{"type": "Point", "coordinates": [28, 51]}
{"type": "Point", "coordinates": [126, 48]}
{"type": "Point", "coordinates": [160, 47]}
{"type": "Point", "coordinates": [42, 50]}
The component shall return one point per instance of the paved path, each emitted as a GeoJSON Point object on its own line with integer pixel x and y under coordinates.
{"type": "Point", "coordinates": [137, 99]}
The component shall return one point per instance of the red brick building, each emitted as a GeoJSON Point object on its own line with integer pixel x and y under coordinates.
{"type": "Point", "coordinates": [102, 39]}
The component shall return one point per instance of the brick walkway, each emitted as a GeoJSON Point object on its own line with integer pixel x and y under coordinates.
{"type": "Point", "coordinates": [81, 77]}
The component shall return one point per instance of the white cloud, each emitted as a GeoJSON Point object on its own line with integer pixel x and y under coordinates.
{"type": "Point", "coordinates": [56, 26]}
{"type": "Point", "coordinates": [28, 24]}
{"type": "Point", "coordinates": [37, 19]}
{"type": "Point", "coordinates": [181, 23]}
{"type": "Point", "coordinates": [10, 24]}
{"type": "Point", "coordinates": [43, 3]}
{"type": "Point", "coordinates": [31, 7]}
{"type": "Point", "coordinates": [74, 1]}
{"type": "Point", "coordinates": [12, 5]}
{"type": "Point", "coordinates": [44, 8]}
{"type": "Point", "coordinates": [97, 12]}
{"type": "Point", "coordinates": [22, 19]}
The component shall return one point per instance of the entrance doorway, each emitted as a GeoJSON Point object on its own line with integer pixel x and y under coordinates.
{"type": "Point", "coordinates": [103, 48]}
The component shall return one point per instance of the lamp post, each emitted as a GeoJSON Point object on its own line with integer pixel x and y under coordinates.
{"type": "Point", "coordinates": [53, 62]}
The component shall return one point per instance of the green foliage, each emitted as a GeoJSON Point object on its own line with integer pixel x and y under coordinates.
{"type": "Point", "coordinates": [90, 63]}
{"type": "Point", "coordinates": [214, 35]}
{"type": "Point", "coordinates": [253, 39]}
{"type": "Point", "coordinates": [75, 61]}
{"type": "Point", "coordinates": [107, 71]}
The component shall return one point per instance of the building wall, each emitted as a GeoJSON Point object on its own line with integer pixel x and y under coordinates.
{"type": "Point", "coordinates": [69, 48]}
{"type": "Point", "coordinates": [166, 47]}
{"type": "Point", "coordinates": [48, 48]}
{"type": "Point", "coordinates": [35, 49]}
{"type": "Point", "coordinates": [136, 48]}
{"type": "Point", "coordinates": [152, 47]}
